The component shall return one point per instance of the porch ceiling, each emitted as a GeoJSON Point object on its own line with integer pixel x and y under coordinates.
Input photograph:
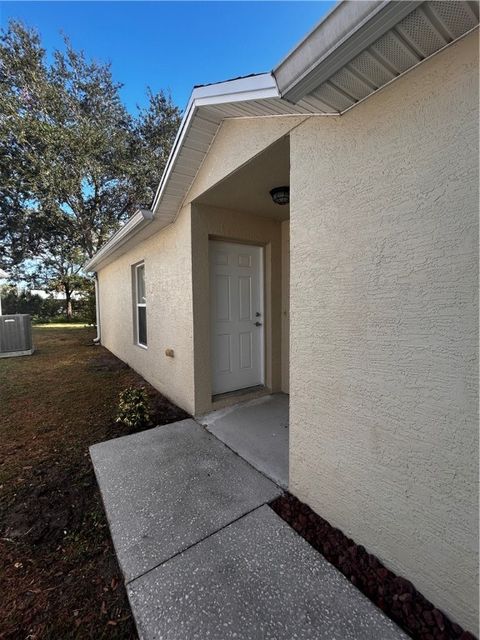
{"type": "Point", "coordinates": [248, 188]}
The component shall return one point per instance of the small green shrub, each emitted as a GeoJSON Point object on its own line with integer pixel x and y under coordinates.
{"type": "Point", "coordinates": [133, 409]}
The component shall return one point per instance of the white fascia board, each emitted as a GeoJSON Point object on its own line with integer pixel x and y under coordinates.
{"type": "Point", "coordinates": [345, 32]}
{"type": "Point", "coordinates": [250, 88]}
{"type": "Point", "coordinates": [140, 219]}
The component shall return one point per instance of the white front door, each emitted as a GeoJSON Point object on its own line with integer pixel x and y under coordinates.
{"type": "Point", "coordinates": [237, 315]}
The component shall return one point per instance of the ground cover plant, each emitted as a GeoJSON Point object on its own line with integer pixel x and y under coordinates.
{"type": "Point", "coordinates": [58, 574]}
{"type": "Point", "coordinates": [133, 409]}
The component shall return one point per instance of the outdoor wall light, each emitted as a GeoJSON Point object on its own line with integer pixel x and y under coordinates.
{"type": "Point", "coordinates": [280, 195]}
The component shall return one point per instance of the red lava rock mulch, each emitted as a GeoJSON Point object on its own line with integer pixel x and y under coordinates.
{"type": "Point", "coordinates": [394, 595]}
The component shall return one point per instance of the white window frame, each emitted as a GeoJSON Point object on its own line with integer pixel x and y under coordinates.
{"type": "Point", "coordinates": [138, 305]}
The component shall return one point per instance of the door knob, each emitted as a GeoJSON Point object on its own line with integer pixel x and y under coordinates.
{"type": "Point", "coordinates": [258, 324]}
{"type": "Point", "coordinates": [258, 314]}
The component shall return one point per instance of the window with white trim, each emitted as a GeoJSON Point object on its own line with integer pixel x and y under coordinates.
{"type": "Point", "coordinates": [140, 305]}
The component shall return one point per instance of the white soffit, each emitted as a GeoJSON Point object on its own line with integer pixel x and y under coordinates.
{"type": "Point", "coordinates": [361, 46]}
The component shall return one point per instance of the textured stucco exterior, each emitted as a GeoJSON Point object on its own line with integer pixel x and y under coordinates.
{"type": "Point", "coordinates": [285, 305]}
{"type": "Point", "coordinates": [384, 340]}
{"type": "Point", "coordinates": [237, 142]}
{"type": "Point", "coordinates": [168, 281]}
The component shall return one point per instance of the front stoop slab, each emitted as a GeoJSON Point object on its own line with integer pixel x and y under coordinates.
{"type": "Point", "coordinates": [170, 487]}
{"type": "Point", "coordinates": [255, 579]}
{"type": "Point", "coordinates": [257, 431]}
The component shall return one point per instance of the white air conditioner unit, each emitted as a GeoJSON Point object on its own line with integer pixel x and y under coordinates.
{"type": "Point", "coordinates": [15, 336]}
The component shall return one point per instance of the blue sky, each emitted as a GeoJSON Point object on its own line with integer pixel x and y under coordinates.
{"type": "Point", "coordinates": [172, 45]}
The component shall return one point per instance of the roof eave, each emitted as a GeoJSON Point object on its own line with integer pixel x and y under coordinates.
{"type": "Point", "coordinates": [250, 88]}
{"type": "Point", "coordinates": [291, 89]}
{"type": "Point", "coordinates": [348, 29]}
{"type": "Point", "coordinates": [138, 221]}
{"type": "Point", "coordinates": [257, 87]}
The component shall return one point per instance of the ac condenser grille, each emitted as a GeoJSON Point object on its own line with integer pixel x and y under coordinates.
{"type": "Point", "coordinates": [15, 335]}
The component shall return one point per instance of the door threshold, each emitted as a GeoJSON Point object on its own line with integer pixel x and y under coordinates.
{"type": "Point", "coordinates": [239, 392]}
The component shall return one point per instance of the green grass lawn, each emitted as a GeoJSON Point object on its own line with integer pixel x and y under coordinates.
{"type": "Point", "coordinates": [58, 574]}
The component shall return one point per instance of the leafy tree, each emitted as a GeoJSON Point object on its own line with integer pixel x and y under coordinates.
{"type": "Point", "coordinates": [74, 164]}
{"type": "Point", "coordinates": [58, 265]}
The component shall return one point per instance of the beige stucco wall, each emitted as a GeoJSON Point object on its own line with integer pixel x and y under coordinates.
{"type": "Point", "coordinates": [285, 305]}
{"type": "Point", "coordinates": [237, 142]}
{"type": "Point", "coordinates": [168, 276]}
{"type": "Point", "coordinates": [384, 341]}
{"type": "Point", "coordinates": [208, 222]}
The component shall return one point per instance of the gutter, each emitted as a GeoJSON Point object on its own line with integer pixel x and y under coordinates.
{"type": "Point", "coordinates": [140, 219]}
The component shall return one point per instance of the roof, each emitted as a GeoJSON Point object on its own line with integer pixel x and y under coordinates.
{"type": "Point", "coordinates": [209, 84]}
{"type": "Point", "coordinates": [356, 50]}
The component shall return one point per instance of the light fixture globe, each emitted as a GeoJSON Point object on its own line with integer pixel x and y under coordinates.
{"type": "Point", "coordinates": [280, 195]}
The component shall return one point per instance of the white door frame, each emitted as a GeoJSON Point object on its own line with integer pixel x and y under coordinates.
{"type": "Point", "coordinates": [261, 309]}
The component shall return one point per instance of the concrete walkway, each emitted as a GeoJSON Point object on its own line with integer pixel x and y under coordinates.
{"type": "Point", "coordinates": [167, 488]}
{"type": "Point", "coordinates": [204, 557]}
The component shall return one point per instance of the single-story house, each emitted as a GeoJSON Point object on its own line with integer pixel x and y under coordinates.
{"type": "Point", "coordinates": [316, 232]}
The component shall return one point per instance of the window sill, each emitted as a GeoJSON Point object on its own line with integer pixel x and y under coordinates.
{"type": "Point", "coordinates": [142, 346]}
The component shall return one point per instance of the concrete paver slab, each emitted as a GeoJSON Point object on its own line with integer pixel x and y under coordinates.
{"type": "Point", "coordinates": [258, 431]}
{"type": "Point", "coordinates": [169, 487]}
{"type": "Point", "coordinates": [255, 579]}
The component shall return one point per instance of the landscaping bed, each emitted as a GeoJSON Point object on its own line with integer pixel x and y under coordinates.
{"type": "Point", "coordinates": [396, 596]}
{"type": "Point", "coordinates": [59, 577]}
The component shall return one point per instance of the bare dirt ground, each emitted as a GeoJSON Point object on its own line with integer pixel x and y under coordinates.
{"type": "Point", "coordinates": [59, 578]}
